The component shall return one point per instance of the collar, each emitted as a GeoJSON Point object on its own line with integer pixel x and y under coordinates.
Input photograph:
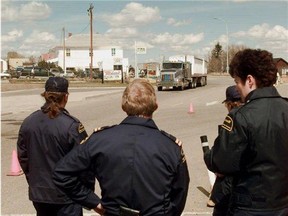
{"type": "Point", "coordinates": [265, 92]}
{"type": "Point", "coordinates": [136, 120]}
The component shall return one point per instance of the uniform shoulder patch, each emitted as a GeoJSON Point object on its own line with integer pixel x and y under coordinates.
{"type": "Point", "coordinates": [81, 128]}
{"type": "Point", "coordinates": [102, 128]}
{"type": "Point", "coordinates": [228, 123]}
{"type": "Point", "coordinates": [173, 138]}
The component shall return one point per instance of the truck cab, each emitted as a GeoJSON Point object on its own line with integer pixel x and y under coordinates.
{"type": "Point", "coordinates": [174, 75]}
{"type": "Point", "coordinates": [182, 72]}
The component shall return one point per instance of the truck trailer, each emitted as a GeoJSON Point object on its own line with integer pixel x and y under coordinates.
{"type": "Point", "coordinates": [181, 72]}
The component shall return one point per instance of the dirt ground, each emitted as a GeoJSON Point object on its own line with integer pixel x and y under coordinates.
{"type": "Point", "coordinates": [17, 84]}
{"type": "Point", "coordinates": [14, 85]}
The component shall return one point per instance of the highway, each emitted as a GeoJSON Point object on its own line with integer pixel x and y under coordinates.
{"type": "Point", "coordinates": [97, 107]}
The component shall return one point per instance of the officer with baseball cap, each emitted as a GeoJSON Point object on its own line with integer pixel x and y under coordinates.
{"type": "Point", "coordinates": [232, 94]}
{"type": "Point", "coordinates": [44, 138]}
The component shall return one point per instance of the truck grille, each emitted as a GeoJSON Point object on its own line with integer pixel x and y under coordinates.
{"type": "Point", "coordinates": [167, 77]}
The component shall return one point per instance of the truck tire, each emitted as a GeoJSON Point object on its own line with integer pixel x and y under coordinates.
{"type": "Point", "coordinates": [181, 88]}
{"type": "Point", "coordinates": [159, 88]}
{"type": "Point", "coordinates": [194, 83]}
{"type": "Point", "coordinates": [202, 82]}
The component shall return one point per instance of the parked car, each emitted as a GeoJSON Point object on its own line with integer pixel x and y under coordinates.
{"type": "Point", "coordinates": [14, 73]}
{"type": "Point", "coordinates": [5, 75]}
{"type": "Point", "coordinates": [69, 74]}
{"type": "Point", "coordinates": [28, 72]}
{"type": "Point", "coordinates": [95, 75]}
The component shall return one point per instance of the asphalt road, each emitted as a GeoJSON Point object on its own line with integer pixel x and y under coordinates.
{"type": "Point", "coordinates": [97, 107]}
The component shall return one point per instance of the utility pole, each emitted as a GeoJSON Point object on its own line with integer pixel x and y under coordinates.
{"type": "Point", "coordinates": [90, 13]}
{"type": "Point", "coordinates": [64, 48]}
{"type": "Point", "coordinates": [227, 35]}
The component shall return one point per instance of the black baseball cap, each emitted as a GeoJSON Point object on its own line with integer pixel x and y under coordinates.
{"type": "Point", "coordinates": [232, 94]}
{"type": "Point", "coordinates": [56, 84]}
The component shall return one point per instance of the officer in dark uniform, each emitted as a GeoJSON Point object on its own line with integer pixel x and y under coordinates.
{"type": "Point", "coordinates": [44, 138]}
{"type": "Point", "coordinates": [252, 145]}
{"type": "Point", "coordinates": [141, 169]}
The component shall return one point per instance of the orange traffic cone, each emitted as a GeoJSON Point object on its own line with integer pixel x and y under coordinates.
{"type": "Point", "coordinates": [191, 109]}
{"type": "Point", "coordinates": [15, 166]}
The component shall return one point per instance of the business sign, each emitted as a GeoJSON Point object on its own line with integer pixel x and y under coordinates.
{"type": "Point", "coordinates": [112, 75]}
{"type": "Point", "coordinates": [140, 50]}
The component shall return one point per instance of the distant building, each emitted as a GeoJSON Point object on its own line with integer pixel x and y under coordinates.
{"type": "Point", "coordinates": [13, 63]}
{"type": "Point", "coordinates": [107, 56]}
{"type": "Point", "coordinates": [282, 66]}
{"type": "Point", "coordinates": [3, 65]}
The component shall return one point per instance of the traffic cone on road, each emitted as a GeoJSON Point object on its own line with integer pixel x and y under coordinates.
{"type": "Point", "coordinates": [191, 109]}
{"type": "Point", "coordinates": [15, 166]}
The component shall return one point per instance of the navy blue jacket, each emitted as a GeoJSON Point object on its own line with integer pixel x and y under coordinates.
{"type": "Point", "coordinates": [137, 166]}
{"type": "Point", "coordinates": [42, 142]}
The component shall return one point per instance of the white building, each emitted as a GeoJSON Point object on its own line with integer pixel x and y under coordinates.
{"type": "Point", "coordinates": [107, 56]}
{"type": "Point", "coordinates": [3, 65]}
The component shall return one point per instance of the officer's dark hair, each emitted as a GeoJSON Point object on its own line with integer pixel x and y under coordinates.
{"type": "Point", "coordinates": [139, 98]}
{"type": "Point", "coordinates": [53, 103]}
{"type": "Point", "coordinates": [257, 63]}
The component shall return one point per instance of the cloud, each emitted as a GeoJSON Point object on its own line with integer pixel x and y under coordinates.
{"type": "Point", "coordinates": [222, 40]}
{"type": "Point", "coordinates": [264, 31]}
{"type": "Point", "coordinates": [178, 39]}
{"type": "Point", "coordinates": [8, 13]}
{"type": "Point", "coordinates": [277, 32]}
{"type": "Point", "coordinates": [35, 43]}
{"type": "Point", "coordinates": [25, 12]}
{"type": "Point", "coordinates": [179, 43]}
{"type": "Point", "coordinates": [12, 36]}
{"type": "Point", "coordinates": [173, 22]}
{"type": "Point", "coordinates": [34, 10]}
{"type": "Point", "coordinates": [134, 14]}
{"type": "Point", "coordinates": [37, 37]}
{"type": "Point", "coordinates": [125, 32]}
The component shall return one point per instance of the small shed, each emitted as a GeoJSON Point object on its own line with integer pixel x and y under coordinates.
{"type": "Point", "coordinates": [282, 66]}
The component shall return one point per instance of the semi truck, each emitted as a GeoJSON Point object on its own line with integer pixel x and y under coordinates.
{"type": "Point", "coordinates": [181, 72]}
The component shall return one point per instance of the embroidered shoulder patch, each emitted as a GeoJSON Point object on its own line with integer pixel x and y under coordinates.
{"type": "Point", "coordinates": [177, 141]}
{"type": "Point", "coordinates": [81, 128]}
{"type": "Point", "coordinates": [84, 140]}
{"type": "Point", "coordinates": [102, 128]}
{"type": "Point", "coordinates": [228, 123]}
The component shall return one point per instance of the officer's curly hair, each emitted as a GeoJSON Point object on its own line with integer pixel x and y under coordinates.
{"type": "Point", "coordinates": [139, 99]}
{"type": "Point", "coordinates": [257, 63]}
{"type": "Point", "coordinates": [52, 105]}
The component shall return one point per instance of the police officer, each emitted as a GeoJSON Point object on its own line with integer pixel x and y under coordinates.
{"type": "Point", "coordinates": [141, 169]}
{"type": "Point", "coordinates": [44, 138]}
{"type": "Point", "coordinates": [221, 191]}
{"type": "Point", "coordinates": [252, 145]}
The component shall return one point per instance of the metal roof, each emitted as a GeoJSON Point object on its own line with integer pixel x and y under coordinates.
{"type": "Point", "coordinates": [83, 41]}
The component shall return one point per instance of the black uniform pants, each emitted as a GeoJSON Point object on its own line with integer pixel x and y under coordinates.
{"type": "Point", "coordinates": [45, 209]}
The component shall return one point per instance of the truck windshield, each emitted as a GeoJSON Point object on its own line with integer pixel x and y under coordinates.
{"type": "Point", "coordinates": [170, 65]}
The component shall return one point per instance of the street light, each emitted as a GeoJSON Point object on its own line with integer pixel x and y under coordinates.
{"type": "Point", "coordinates": [227, 66]}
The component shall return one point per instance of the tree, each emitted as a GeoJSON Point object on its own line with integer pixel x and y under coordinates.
{"type": "Point", "coordinates": [14, 54]}
{"type": "Point", "coordinates": [217, 51]}
{"type": "Point", "coordinates": [218, 57]}
{"type": "Point", "coordinates": [48, 65]}
{"type": "Point", "coordinates": [215, 60]}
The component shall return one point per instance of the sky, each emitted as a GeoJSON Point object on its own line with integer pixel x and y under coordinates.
{"type": "Point", "coordinates": [165, 28]}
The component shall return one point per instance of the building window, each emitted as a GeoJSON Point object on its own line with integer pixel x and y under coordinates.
{"type": "Point", "coordinates": [113, 51]}
{"type": "Point", "coordinates": [68, 52]}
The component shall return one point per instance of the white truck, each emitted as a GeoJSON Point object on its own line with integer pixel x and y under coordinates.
{"type": "Point", "coordinates": [182, 72]}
